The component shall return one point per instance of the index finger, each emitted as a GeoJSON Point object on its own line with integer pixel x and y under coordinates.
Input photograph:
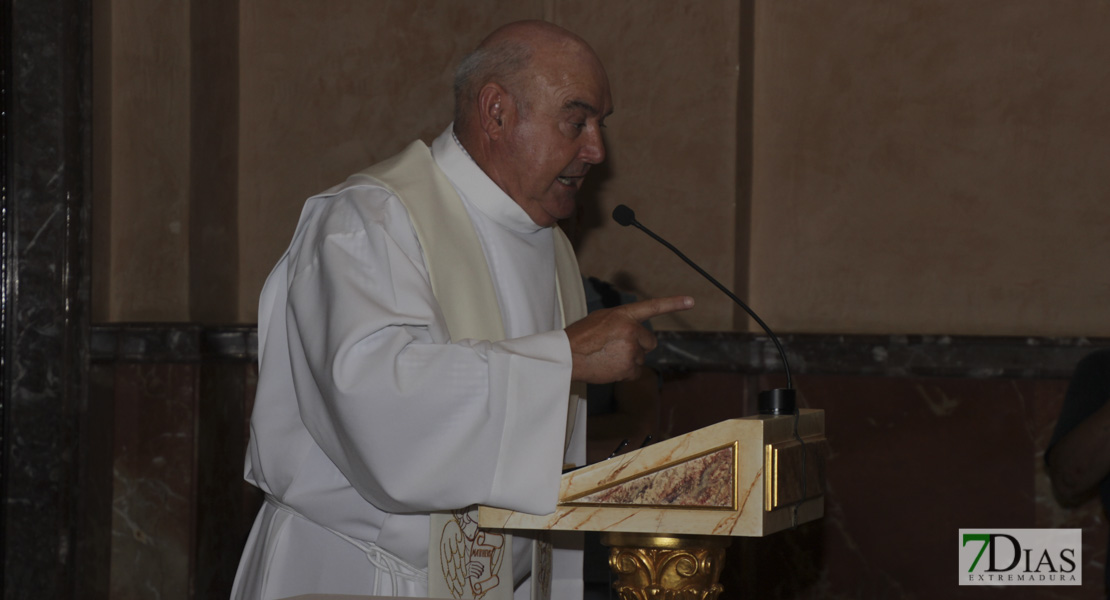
{"type": "Point", "coordinates": [646, 309]}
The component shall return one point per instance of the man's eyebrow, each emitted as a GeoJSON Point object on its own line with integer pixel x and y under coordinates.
{"type": "Point", "coordinates": [586, 106]}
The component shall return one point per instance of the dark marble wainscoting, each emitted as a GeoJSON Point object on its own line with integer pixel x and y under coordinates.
{"type": "Point", "coordinates": [180, 396]}
{"type": "Point", "coordinates": [912, 460]}
{"type": "Point", "coordinates": [928, 435]}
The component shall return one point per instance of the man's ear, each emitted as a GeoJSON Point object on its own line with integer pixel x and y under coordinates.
{"type": "Point", "coordinates": [492, 99]}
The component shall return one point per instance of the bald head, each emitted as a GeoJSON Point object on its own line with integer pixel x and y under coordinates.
{"type": "Point", "coordinates": [506, 57]}
{"type": "Point", "coordinates": [530, 104]}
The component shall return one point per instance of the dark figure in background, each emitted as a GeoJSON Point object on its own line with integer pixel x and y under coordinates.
{"type": "Point", "coordinates": [1078, 457]}
{"type": "Point", "coordinates": [624, 410]}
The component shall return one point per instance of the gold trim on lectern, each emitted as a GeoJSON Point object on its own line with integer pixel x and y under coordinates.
{"type": "Point", "coordinates": [768, 477]}
{"type": "Point", "coordinates": [789, 456]}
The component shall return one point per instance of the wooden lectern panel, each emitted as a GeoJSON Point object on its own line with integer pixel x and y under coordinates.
{"type": "Point", "coordinates": [741, 477]}
{"type": "Point", "coordinates": [346, 597]}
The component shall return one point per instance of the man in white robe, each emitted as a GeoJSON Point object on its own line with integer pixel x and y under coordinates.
{"type": "Point", "coordinates": [381, 397]}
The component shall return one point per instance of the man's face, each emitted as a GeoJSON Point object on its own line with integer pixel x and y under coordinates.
{"type": "Point", "coordinates": [551, 144]}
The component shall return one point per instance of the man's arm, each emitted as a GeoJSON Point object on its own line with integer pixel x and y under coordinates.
{"type": "Point", "coordinates": [609, 344]}
{"type": "Point", "coordinates": [414, 421]}
{"type": "Point", "coordinates": [1081, 459]}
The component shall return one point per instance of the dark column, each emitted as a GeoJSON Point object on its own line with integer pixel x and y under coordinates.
{"type": "Point", "coordinates": [44, 305]}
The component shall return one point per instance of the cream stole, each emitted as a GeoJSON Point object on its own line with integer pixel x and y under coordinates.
{"type": "Point", "coordinates": [464, 289]}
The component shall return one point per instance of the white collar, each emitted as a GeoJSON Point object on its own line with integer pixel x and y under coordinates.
{"type": "Point", "coordinates": [476, 187]}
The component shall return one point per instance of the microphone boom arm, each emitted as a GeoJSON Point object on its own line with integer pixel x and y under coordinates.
{"type": "Point", "coordinates": [751, 313]}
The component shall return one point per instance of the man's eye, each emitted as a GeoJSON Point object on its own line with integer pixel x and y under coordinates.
{"type": "Point", "coordinates": [579, 126]}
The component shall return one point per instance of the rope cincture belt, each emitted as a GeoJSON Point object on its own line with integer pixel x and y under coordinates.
{"type": "Point", "coordinates": [387, 563]}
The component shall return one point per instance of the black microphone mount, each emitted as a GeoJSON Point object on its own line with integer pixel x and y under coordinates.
{"type": "Point", "coordinates": [780, 401]}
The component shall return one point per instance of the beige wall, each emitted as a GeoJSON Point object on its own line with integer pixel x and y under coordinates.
{"type": "Point", "coordinates": [141, 189]}
{"type": "Point", "coordinates": [330, 87]}
{"type": "Point", "coordinates": [165, 160]}
{"type": "Point", "coordinates": [325, 92]}
{"type": "Point", "coordinates": [930, 166]}
{"type": "Point", "coordinates": [673, 67]}
{"type": "Point", "coordinates": [919, 166]}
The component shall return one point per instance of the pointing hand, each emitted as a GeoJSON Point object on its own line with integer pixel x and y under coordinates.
{"type": "Point", "coordinates": [609, 345]}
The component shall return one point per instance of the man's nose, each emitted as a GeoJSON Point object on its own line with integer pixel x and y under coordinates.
{"type": "Point", "coordinates": [593, 151]}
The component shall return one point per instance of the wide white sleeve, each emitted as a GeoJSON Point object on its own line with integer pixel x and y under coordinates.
{"type": "Point", "coordinates": [413, 422]}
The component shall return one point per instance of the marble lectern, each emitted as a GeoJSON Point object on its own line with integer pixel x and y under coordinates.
{"type": "Point", "coordinates": [668, 510]}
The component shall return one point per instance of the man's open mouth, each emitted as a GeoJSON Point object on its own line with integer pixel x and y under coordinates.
{"type": "Point", "coordinates": [570, 180]}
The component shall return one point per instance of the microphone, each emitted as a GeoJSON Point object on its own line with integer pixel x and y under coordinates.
{"type": "Point", "coordinates": [779, 401]}
{"type": "Point", "coordinates": [624, 215]}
